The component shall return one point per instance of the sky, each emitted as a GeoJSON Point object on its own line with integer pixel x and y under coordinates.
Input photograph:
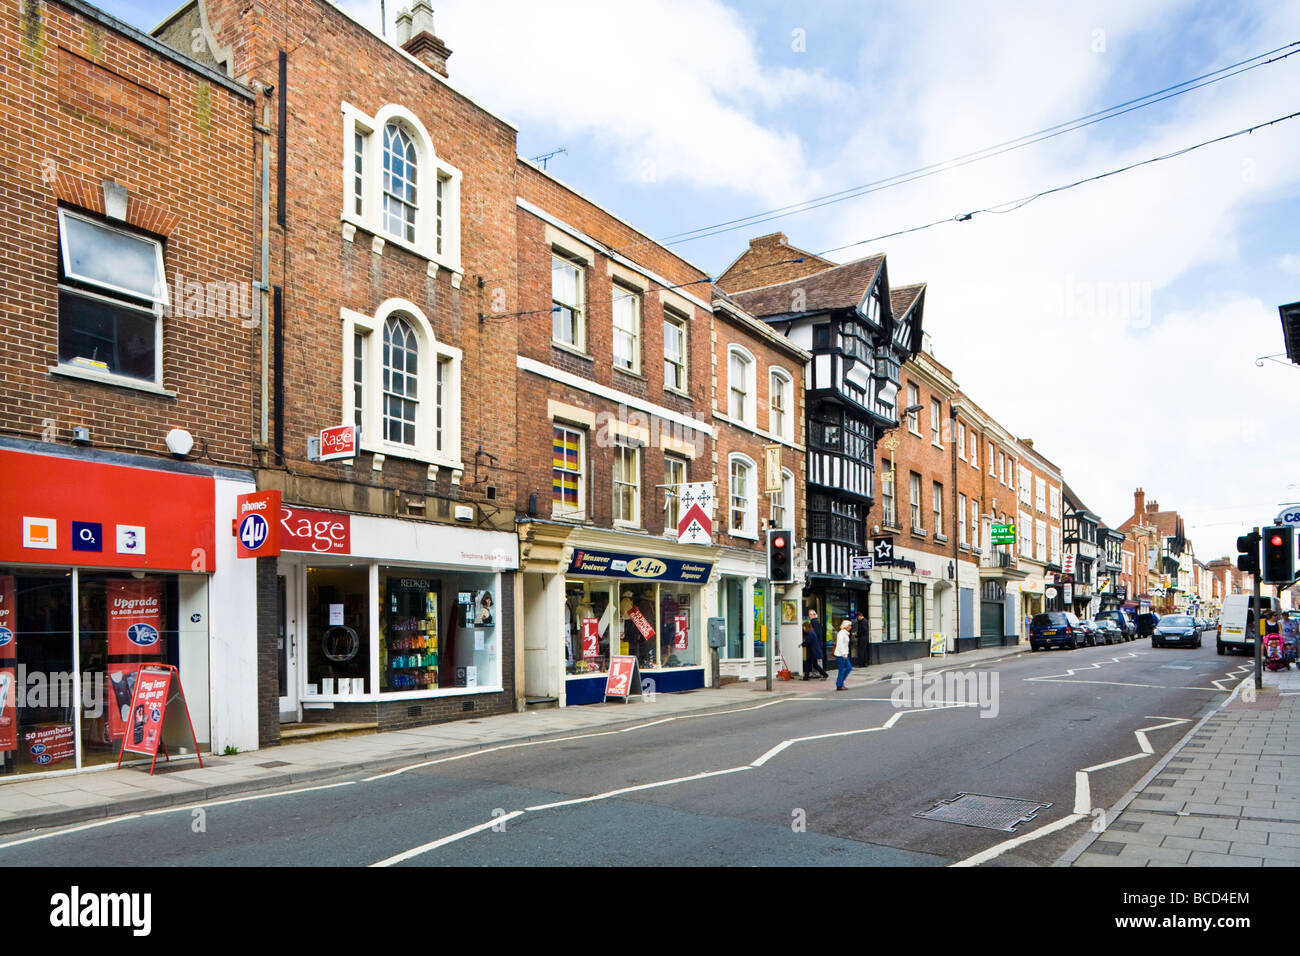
{"type": "Point", "coordinates": [1116, 324]}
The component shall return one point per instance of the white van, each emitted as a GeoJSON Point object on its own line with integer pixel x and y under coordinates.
{"type": "Point", "coordinates": [1239, 622]}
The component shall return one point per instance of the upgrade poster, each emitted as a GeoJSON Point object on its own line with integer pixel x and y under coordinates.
{"type": "Point", "coordinates": [135, 619]}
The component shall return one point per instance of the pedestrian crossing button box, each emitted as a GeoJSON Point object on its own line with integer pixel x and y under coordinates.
{"type": "Point", "coordinates": [717, 632]}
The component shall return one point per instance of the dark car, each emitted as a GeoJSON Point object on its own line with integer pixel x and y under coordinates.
{"type": "Point", "coordinates": [1176, 629]}
{"type": "Point", "coordinates": [1109, 631]}
{"type": "Point", "coordinates": [1146, 623]}
{"type": "Point", "coordinates": [1124, 619]}
{"type": "Point", "coordinates": [1055, 629]}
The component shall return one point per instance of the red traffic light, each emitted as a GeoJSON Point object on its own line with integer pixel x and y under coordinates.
{"type": "Point", "coordinates": [778, 542]}
{"type": "Point", "coordinates": [1276, 541]}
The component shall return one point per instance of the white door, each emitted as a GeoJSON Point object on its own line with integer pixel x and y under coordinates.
{"type": "Point", "coordinates": [287, 645]}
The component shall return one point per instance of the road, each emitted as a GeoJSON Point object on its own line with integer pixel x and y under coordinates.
{"type": "Point", "coordinates": [829, 779]}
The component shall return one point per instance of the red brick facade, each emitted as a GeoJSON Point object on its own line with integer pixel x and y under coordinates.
{"type": "Point", "coordinates": [85, 104]}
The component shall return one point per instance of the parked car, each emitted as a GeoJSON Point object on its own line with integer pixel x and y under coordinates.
{"type": "Point", "coordinates": [1055, 629]}
{"type": "Point", "coordinates": [1124, 619]}
{"type": "Point", "coordinates": [1109, 631]}
{"type": "Point", "coordinates": [1177, 629]}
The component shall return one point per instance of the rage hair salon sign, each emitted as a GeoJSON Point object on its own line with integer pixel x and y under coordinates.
{"type": "Point", "coordinates": [318, 532]}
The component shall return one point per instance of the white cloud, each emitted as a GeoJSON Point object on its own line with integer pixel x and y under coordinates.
{"type": "Point", "coordinates": [673, 92]}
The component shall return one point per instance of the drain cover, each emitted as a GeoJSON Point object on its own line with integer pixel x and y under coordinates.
{"type": "Point", "coordinates": [272, 764]}
{"type": "Point", "coordinates": [982, 810]}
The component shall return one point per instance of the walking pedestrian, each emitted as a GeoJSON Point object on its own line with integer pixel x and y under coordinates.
{"type": "Point", "coordinates": [814, 647]}
{"type": "Point", "coordinates": [862, 635]}
{"type": "Point", "coordinates": [842, 653]}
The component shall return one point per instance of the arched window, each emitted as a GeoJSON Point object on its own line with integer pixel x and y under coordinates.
{"type": "Point", "coordinates": [743, 497]}
{"type": "Point", "coordinates": [401, 381]}
{"type": "Point", "coordinates": [401, 167]}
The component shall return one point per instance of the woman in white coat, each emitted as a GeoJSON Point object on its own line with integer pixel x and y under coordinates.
{"type": "Point", "coordinates": [842, 654]}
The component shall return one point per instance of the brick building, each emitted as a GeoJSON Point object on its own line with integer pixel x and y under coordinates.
{"type": "Point", "coordinates": [128, 229]}
{"type": "Point", "coordinates": [1039, 510]}
{"type": "Point", "coordinates": [990, 574]}
{"type": "Point", "coordinates": [859, 334]}
{"type": "Point", "coordinates": [390, 250]}
{"type": "Point", "coordinates": [632, 383]}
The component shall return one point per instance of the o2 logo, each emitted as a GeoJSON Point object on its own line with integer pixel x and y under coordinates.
{"type": "Point", "coordinates": [142, 635]}
{"type": "Point", "coordinates": [253, 531]}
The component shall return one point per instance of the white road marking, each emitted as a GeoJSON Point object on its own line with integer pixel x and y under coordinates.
{"type": "Point", "coordinates": [1082, 795]}
{"type": "Point", "coordinates": [641, 786]}
{"type": "Point", "coordinates": [419, 850]}
{"type": "Point", "coordinates": [69, 830]}
{"type": "Point", "coordinates": [995, 851]}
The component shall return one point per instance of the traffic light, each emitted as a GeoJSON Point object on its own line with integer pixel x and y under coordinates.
{"type": "Point", "coordinates": [1279, 555]}
{"type": "Point", "coordinates": [780, 556]}
{"type": "Point", "coordinates": [1248, 559]}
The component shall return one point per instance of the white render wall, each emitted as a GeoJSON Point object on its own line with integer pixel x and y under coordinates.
{"type": "Point", "coordinates": [232, 631]}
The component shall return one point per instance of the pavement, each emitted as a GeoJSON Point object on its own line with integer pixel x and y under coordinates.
{"type": "Point", "coordinates": [40, 801]}
{"type": "Point", "coordinates": [1228, 794]}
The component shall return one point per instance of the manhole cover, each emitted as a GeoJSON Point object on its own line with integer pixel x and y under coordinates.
{"type": "Point", "coordinates": [272, 764]}
{"type": "Point", "coordinates": [982, 810]}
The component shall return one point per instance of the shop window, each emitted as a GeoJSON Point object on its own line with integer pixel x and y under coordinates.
{"type": "Point", "coordinates": [338, 631]}
{"type": "Point", "coordinates": [636, 614]}
{"type": "Point", "coordinates": [588, 626]}
{"type": "Point", "coordinates": [732, 601]}
{"type": "Point", "coordinates": [916, 611]}
{"type": "Point", "coordinates": [112, 292]}
{"type": "Point", "coordinates": [62, 672]}
{"type": "Point", "coordinates": [679, 627]}
{"type": "Point", "coordinates": [37, 696]}
{"type": "Point", "coordinates": [437, 630]}
{"type": "Point", "coordinates": [889, 610]}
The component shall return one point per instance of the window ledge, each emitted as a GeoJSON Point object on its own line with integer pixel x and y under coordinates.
{"type": "Point", "coordinates": [629, 526]}
{"type": "Point", "coordinates": [679, 393]}
{"type": "Point", "coordinates": [571, 350]}
{"type": "Point", "coordinates": [897, 529]}
{"type": "Point", "coordinates": [964, 547]}
{"type": "Point", "coordinates": [407, 453]}
{"type": "Point", "coordinates": [392, 240]}
{"type": "Point", "coordinates": [942, 538]}
{"type": "Point", "coordinates": [919, 533]}
{"type": "Point", "coordinates": [107, 378]}
{"type": "Point", "coordinates": [630, 373]}
{"type": "Point", "coordinates": [742, 534]}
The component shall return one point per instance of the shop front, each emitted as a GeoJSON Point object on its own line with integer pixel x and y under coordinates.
{"type": "Point", "coordinates": [651, 604]}
{"type": "Point", "coordinates": [105, 567]}
{"type": "Point", "coordinates": [837, 600]}
{"type": "Point", "coordinates": [382, 619]}
{"type": "Point", "coordinates": [743, 604]}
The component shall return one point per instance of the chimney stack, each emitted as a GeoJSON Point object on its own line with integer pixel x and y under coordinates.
{"type": "Point", "coordinates": [415, 35]}
{"type": "Point", "coordinates": [1139, 503]}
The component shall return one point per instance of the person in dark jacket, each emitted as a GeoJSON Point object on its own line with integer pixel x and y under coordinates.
{"type": "Point", "coordinates": [814, 648]}
{"type": "Point", "coordinates": [861, 637]}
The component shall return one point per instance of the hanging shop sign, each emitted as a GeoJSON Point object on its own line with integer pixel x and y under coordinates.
{"type": "Point", "coordinates": [257, 524]}
{"type": "Point", "coordinates": [338, 442]}
{"type": "Point", "coordinates": [882, 549]}
{"type": "Point", "coordinates": [695, 526]}
{"type": "Point", "coordinates": [613, 564]}
{"type": "Point", "coordinates": [158, 700]}
{"type": "Point", "coordinates": [74, 512]}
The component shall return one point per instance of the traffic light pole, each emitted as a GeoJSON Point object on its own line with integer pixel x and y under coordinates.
{"type": "Point", "coordinates": [1259, 635]}
{"type": "Point", "coordinates": [771, 630]}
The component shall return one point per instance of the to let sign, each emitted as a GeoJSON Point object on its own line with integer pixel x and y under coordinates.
{"type": "Point", "coordinates": [338, 442]}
